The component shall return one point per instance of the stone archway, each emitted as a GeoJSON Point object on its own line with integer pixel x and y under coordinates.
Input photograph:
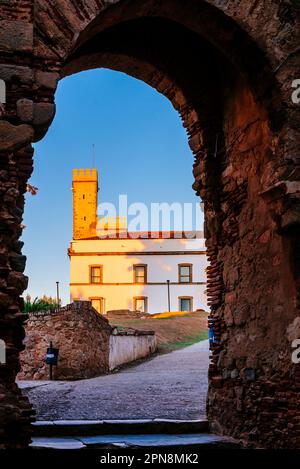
{"type": "Point", "coordinates": [227, 69]}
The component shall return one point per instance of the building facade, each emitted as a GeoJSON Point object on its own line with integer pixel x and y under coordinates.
{"type": "Point", "coordinates": [149, 272]}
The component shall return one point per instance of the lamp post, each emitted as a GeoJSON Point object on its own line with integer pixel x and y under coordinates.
{"type": "Point", "coordinates": [168, 284]}
{"type": "Point", "coordinates": [57, 293]}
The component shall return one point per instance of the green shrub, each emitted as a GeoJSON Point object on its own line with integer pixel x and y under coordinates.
{"type": "Point", "coordinates": [40, 304]}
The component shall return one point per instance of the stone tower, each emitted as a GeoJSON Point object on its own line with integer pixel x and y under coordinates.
{"type": "Point", "coordinates": [85, 202]}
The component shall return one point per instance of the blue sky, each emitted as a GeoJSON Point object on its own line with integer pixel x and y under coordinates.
{"type": "Point", "coordinates": [141, 150]}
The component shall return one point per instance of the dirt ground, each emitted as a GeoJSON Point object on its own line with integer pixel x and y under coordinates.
{"type": "Point", "coordinates": [172, 333]}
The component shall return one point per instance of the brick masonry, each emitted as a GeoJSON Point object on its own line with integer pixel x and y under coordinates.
{"type": "Point", "coordinates": [227, 67]}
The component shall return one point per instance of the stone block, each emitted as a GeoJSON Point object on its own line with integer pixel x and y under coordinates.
{"type": "Point", "coordinates": [228, 316]}
{"type": "Point", "coordinates": [25, 110]}
{"type": "Point", "coordinates": [234, 374]}
{"type": "Point", "coordinates": [16, 36]}
{"type": "Point", "coordinates": [43, 114]}
{"type": "Point", "coordinates": [248, 374]}
{"type": "Point", "coordinates": [18, 280]}
{"type": "Point", "coordinates": [18, 262]}
{"type": "Point", "coordinates": [11, 196]}
{"type": "Point", "coordinates": [13, 137]}
{"type": "Point", "coordinates": [241, 315]}
{"type": "Point", "coordinates": [11, 72]}
{"type": "Point", "coordinates": [217, 381]}
{"type": "Point", "coordinates": [5, 300]}
{"type": "Point", "coordinates": [46, 79]}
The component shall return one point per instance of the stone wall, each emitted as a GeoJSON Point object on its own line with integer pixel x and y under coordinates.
{"type": "Point", "coordinates": [129, 345]}
{"type": "Point", "coordinates": [251, 287]}
{"type": "Point", "coordinates": [125, 314]}
{"type": "Point", "coordinates": [80, 334]}
{"type": "Point", "coordinates": [88, 345]}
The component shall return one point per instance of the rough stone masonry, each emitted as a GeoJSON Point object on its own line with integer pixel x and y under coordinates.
{"type": "Point", "coordinates": [81, 335]}
{"type": "Point", "coordinates": [228, 67]}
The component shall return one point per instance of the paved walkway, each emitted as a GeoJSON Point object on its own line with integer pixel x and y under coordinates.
{"type": "Point", "coordinates": [170, 386]}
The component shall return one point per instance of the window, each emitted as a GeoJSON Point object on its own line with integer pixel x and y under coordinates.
{"type": "Point", "coordinates": [185, 273]}
{"type": "Point", "coordinates": [98, 304]}
{"type": "Point", "coordinates": [140, 303]}
{"type": "Point", "coordinates": [140, 273]}
{"type": "Point", "coordinates": [96, 273]}
{"type": "Point", "coordinates": [185, 303]}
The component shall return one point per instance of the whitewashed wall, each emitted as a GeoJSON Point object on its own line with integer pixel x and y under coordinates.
{"type": "Point", "coordinates": [125, 349]}
{"type": "Point", "coordinates": [119, 269]}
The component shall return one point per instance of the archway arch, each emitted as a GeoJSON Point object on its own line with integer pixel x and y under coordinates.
{"type": "Point", "coordinates": [221, 79]}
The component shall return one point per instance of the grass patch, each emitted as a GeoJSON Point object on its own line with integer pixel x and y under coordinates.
{"type": "Point", "coordinates": [126, 323]}
{"type": "Point", "coordinates": [185, 342]}
{"type": "Point", "coordinates": [165, 318]}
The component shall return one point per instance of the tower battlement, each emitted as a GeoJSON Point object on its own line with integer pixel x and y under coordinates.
{"type": "Point", "coordinates": [85, 175]}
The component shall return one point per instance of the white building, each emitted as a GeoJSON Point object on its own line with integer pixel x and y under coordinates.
{"type": "Point", "coordinates": [132, 271]}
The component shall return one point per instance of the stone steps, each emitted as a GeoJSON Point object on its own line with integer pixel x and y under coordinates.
{"type": "Point", "coordinates": [143, 441]}
{"type": "Point", "coordinates": [139, 434]}
{"type": "Point", "coordinates": [62, 428]}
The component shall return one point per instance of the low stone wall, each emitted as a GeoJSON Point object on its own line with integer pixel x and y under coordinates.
{"type": "Point", "coordinates": [80, 334]}
{"type": "Point", "coordinates": [125, 314]}
{"type": "Point", "coordinates": [129, 345]}
{"type": "Point", "coordinates": [88, 345]}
